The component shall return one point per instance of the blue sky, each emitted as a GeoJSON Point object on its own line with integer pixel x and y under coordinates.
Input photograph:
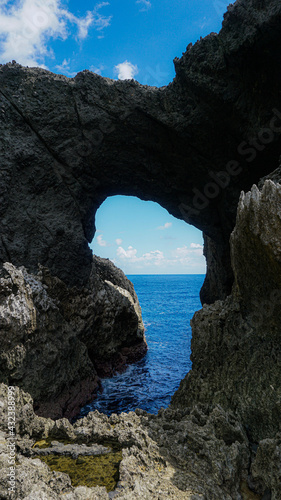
{"type": "Point", "coordinates": [118, 39]}
{"type": "Point", "coordinates": [141, 237]}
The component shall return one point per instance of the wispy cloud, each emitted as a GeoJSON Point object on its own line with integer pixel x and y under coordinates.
{"type": "Point", "coordinates": [185, 255]}
{"type": "Point", "coordinates": [166, 226]}
{"type": "Point", "coordinates": [101, 242]}
{"type": "Point", "coordinates": [64, 65]}
{"type": "Point", "coordinates": [97, 69]}
{"type": "Point", "coordinates": [92, 18]}
{"type": "Point", "coordinates": [126, 70]}
{"type": "Point", "coordinates": [144, 4]}
{"type": "Point", "coordinates": [131, 253]}
{"type": "Point", "coordinates": [26, 26]}
{"type": "Point", "coordinates": [196, 245]}
{"type": "Point", "coordinates": [118, 241]}
{"type": "Point", "coordinates": [65, 68]}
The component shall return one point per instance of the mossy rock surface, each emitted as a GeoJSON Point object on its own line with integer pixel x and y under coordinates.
{"type": "Point", "coordinates": [101, 470]}
{"type": "Point", "coordinates": [43, 443]}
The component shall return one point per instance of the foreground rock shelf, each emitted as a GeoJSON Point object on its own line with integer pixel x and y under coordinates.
{"type": "Point", "coordinates": [190, 454]}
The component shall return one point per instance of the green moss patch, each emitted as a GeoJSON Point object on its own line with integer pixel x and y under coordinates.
{"type": "Point", "coordinates": [43, 443]}
{"type": "Point", "coordinates": [101, 470]}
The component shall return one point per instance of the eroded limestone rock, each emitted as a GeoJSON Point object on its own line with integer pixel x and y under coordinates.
{"type": "Point", "coordinates": [69, 143]}
{"type": "Point", "coordinates": [236, 350]}
{"type": "Point", "coordinates": [182, 455]}
{"type": "Point", "coordinates": [57, 341]}
{"type": "Point", "coordinates": [266, 467]}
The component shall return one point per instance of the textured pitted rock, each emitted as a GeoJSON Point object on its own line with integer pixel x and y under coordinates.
{"type": "Point", "coordinates": [257, 239]}
{"type": "Point", "coordinates": [56, 341]}
{"type": "Point", "coordinates": [195, 454]}
{"type": "Point", "coordinates": [116, 318]}
{"type": "Point", "coordinates": [236, 349]}
{"type": "Point", "coordinates": [266, 467]}
{"type": "Point", "coordinates": [66, 145]}
{"type": "Point", "coordinates": [69, 143]}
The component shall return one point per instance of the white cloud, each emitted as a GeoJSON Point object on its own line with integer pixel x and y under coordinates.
{"type": "Point", "coordinates": [27, 26]}
{"type": "Point", "coordinates": [145, 5]}
{"type": "Point", "coordinates": [64, 65]}
{"type": "Point", "coordinates": [127, 254]}
{"type": "Point", "coordinates": [64, 68]}
{"type": "Point", "coordinates": [97, 69]}
{"type": "Point", "coordinates": [118, 241]}
{"type": "Point", "coordinates": [166, 226]}
{"type": "Point", "coordinates": [126, 70]}
{"type": "Point", "coordinates": [154, 256]}
{"type": "Point", "coordinates": [184, 254]}
{"type": "Point", "coordinates": [185, 257]}
{"type": "Point", "coordinates": [196, 245]}
{"type": "Point", "coordinates": [101, 242]}
{"type": "Point", "coordinates": [92, 18]}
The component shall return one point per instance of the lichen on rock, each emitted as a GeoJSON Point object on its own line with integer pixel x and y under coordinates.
{"type": "Point", "coordinates": [176, 454]}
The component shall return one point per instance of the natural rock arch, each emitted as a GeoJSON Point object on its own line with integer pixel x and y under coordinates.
{"type": "Point", "coordinates": [69, 143]}
{"type": "Point", "coordinates": [66, 144]}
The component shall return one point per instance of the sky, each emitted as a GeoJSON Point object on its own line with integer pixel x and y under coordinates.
{"type": "Point", "coordinates": [141, 237]}
{"type": "Point", "coordinates": [119, 39]}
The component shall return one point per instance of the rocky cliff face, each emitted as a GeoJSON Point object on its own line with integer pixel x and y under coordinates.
{"type": "Point", "coordinates": [67, 144]}
{"type": "Point", "coordinates": [221, 436]}
{"type": "Point", "coordinates": [56, 341]}
{"type": "Point", "coordinates": [193, 146]}
{"type": "Point", "coordinates": [236, 343]}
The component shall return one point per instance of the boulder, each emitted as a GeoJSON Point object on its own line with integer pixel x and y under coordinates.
{"type": "Point", "coordinates": [57, 341]}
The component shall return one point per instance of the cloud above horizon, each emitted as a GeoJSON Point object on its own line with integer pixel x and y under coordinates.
{"type": "Point", "coordinates": [166, 226]}
{"type": "Point", "coordinates": [184, 256]}
{"type": "Point", "coordinates": [27, 26]}
{"type": "Point", "coordinates": [154, 256]}
{"type": "Point", "coordinates": [126, 70]}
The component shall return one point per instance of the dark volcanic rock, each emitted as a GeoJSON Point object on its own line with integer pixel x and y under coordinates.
{"type": "Point", "coordinates": [236, 350]}
{"type": "Point", "coordinates": [56, 341]}
{"type": "Point", "coordinates": [67, 144]}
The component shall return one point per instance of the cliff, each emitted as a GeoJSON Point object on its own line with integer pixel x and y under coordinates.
{"type": "Point", "coordinates": [68, 143]}
{"type": "Point", "coordinates": [236, 343]}
{"type": "Point", "coordinates": [193, 147]}
{"type": "Point", "coordinates": [57, 341]}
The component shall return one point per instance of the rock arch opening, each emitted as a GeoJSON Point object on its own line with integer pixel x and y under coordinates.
{"type": "Point", "coordinates": [163, 258]}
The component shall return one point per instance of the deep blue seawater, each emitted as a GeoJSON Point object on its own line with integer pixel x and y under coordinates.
{"type": "Point", "coordinates": [168, 303]}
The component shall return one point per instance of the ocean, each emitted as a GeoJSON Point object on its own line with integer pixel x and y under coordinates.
{"type": "Point", "coordinates": [168, 303]}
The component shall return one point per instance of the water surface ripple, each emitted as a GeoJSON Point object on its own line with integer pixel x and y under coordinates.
{"type": "Point", "coordinates": [168, 303]}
